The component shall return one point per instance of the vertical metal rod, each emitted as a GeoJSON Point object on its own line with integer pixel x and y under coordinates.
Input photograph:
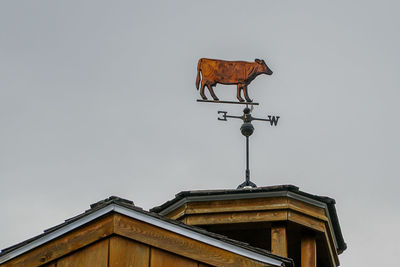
{"type": "Point", "coordinates": [247, 162]}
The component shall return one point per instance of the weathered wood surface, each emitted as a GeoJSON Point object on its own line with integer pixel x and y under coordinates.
{"type": "Point", "coordinates": [234, 217]}
{"type": "Point", "coordinates": [65, 244]}
{"type": "Point", "coordinates": [268, 210]}
{"type": "Point", "coordinates": [125, 252]}
{"type": "Point", "coordinates": [308, 251]}
{"type": "Point", "coordinates": [307, 209]}
{"type": "Point", "coordinates": [160, 258]}
{"type": "Point", "coordinates": [279, 240]}
{"type": "Point", "coordinates": [177, 213]}
{"type": "Point", "coordinates": [255, 204]}
{"type": "Point", "coordinates": [175, 243]}
{"type": "Point", "coordinates": [332, 250]}
{"type": "Point", "coordinates": [236, 205]}
{"type": "Point", "coordinates": [93, 255]}
{"type": "Point", "coordinates": [51, 264]}
{"type": "Point", "coordinates": [127, 242]}
{"type": "Point", "coordinates": [306, 221]}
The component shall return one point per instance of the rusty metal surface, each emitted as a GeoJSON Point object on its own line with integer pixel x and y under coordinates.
{"type": "Point", "coordinates": [240, 73]}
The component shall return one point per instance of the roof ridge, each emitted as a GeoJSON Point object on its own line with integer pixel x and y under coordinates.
{"type": "Point", "coordinates": [111, 199]}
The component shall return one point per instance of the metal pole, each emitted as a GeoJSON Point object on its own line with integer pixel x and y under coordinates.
{"type": "Point", "coordinates": [247, 162]}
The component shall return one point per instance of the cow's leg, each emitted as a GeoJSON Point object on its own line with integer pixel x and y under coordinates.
{"type": "Point", "coordinates": [246, 95]}
{"type": "Point", "coordinates": [202, 91]}
{"type": "Point", "coordinates": [239, 96]}
{"type": "Point", "coordinates": [212, 92]}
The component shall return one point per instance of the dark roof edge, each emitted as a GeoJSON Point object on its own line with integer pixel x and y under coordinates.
{"type": "Point", "coordinates": [342, 245]}
{"type": "Point", "coordinates": [276, 188]}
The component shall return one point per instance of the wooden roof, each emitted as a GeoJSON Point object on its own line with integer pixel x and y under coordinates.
{"type": "Point", "coordinates": [258, 192]}
{"type": "Point", "coordinates": [113, 217]}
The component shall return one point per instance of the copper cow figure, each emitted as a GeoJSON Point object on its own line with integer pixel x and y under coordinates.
{"type": "Point", "coordinates": [241, 73]}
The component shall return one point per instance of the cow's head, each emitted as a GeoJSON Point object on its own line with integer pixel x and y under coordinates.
{"type": "Point", "coordinates": [262, 67]}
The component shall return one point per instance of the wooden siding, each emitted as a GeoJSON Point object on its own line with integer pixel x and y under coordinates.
{"type": "Point", "coordinates": [118, 251]}
{"type": "Point", "coordinates": [125, 252]}
{"type": "Point", "coordinates": [175, 243]}
{"type": "Point", "coordinates": [164, 258]}
{"type": "Point", "coordinates": [64, 245]}
{"type": "Point", "coordinates": [117, 240]}
{"type": "Point", "coordinates": [52, 264]}
{"type": "Point", "coordinates": [271, 210]}
{"type": "Point", "coordinates": [94, 255]}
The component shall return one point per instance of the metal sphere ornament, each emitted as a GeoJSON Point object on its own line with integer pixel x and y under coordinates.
{"type": "Point", "coordinates": [247, 129]}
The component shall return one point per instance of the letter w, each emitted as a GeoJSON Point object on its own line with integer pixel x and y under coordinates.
{"type": "Point", "coordinates": [273, 120]}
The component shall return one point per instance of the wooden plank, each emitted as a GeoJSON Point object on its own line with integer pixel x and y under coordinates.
{"type": "Point", "coordinates": [125, 252]}
{"type": "Point", "coordinates": [51, 264]}
{"type": "Point", "coordinates": [331, 243]}
{"type": "Point", "coordinates": [306, 221]}
{"type": "Point", "coordinates": [177, 213]}
{"type": "Point", "coordinates": [204, 265]}
{"type": "Point", "coordinates": [308, 251]}
{"type": "Point", "coordinates": [237, 226]}
{"type": "Point", "coordinates": [307, 209]}
{"type": "Point", "coordinates": [175, 243]}
{"type": "Point", "coordinates": [93, 255]}
{"type": "Point", "coordinates": [279, 240]}
{"type": "Point", "coordinates": [161, 258]}
{"type": "Point", "coordinates": [254, 204]}
{"type": "Point", "coordinates": [65, 244]}
{"type": "Point", "coordinates": [241, 217]}
{"type": "Point", "coordinates": [332, 252]}
{"type": "Point", "coordinates": [318, 225]}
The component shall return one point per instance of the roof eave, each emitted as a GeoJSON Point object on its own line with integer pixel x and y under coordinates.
{"type": "Point", "coordinates": [144, 218]}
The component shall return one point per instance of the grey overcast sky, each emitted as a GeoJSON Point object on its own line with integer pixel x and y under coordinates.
{"type": "Point", "coordinates": [97, 98]}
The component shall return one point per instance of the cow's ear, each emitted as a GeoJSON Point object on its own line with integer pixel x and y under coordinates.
{"type": "Point", "coordinates": [258, 61]}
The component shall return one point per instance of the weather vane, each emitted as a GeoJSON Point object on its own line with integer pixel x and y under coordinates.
{"type": "Point", "coordinates": [241, 73]}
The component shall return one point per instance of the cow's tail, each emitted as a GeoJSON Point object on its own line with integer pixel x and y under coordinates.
{"type": "Point", "coordinates": [198, 74]}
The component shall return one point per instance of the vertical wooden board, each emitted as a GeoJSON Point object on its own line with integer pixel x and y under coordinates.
{"type": "Point", "coordinates": [279, 240]}
{"type": "Point", "coordinates": [93, 255]}
{"type": "Point", "coordinates": [126, 253]}
{"type": "Point", "coordinates": [162, 258]}
{"type": "Point", "coordinates": [308, 251]}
